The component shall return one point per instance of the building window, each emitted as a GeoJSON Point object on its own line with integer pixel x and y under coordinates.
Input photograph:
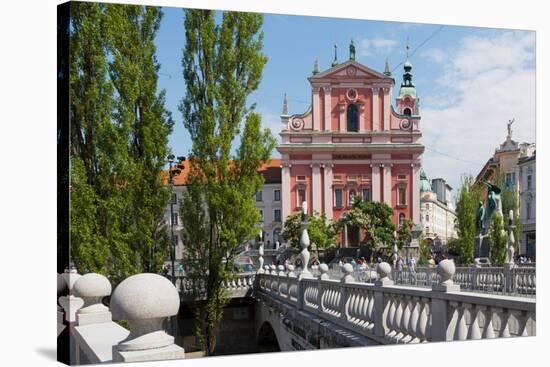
{"type": "Point", "coordinates": [277, 215]}
{"type": "Point", "coordinates": [529, 182]}
{"type": "Point", "coordinates": [277, 195]}
{"type": "Point", "coordinates": [301, 197]}
{"type": "Point", "coordinates": [366, 194]}
{"type": "Point", "coordinates": [277, 235]}
{"type": "Point", "coordinates": [337, 178]}
{"type": "Point", "coordinates": [510, 179]}
{"type": "Point", "coordinates": [338, 198]}
{"type": "Point", "coordinates": [259, 196]}
{"type": "Point", "coordinates": [427, 218]}
{"type": "Point", "coordinates": [401, 220]}
{"type": "Point", "coordinates": [301, 178]}
{"type": "Point", "coordinates": [353, 118]}
{"type": "Point", "coordinates": [407, 111]}
{"type": "Point", "coordinates": [174, 198]}
{"type": "Point", "coordinates": [528, 210]}
{"type": "Point", "coordinates": [351, 196]}
{"type": "Point", "coordinates": [175, 219]}
{"type": "Point", "coordinates": [402, 196]}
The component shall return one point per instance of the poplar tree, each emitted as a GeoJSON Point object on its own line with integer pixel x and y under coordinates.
{"type": "Point", "coordinates": [497, 240]}
{"type": "Point", "coordinates": [222, 65]}
{"type": "Point", "coordinates": [466, 211]}
{"type": "Point", "coordinates": [119, 135]}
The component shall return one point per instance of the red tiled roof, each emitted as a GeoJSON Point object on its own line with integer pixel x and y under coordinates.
{"type": "Point", "coordinates": [271, 172]}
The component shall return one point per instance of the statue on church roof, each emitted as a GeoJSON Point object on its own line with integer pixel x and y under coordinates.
{"type": "Point", "coordinates": [352, 51]}
{"type": "Point", "coordinates": [335, 62]}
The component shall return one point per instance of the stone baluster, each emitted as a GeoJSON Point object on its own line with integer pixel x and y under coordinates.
{"type": "Point", "coordinates": [460, 328]}
{"type": "Point", "coordinates": [397, 320]}
{"type": "Point", "coordinates": [281, 269]}
{"type": "Point", "coordinates": [70, 303]}
{"type": "Point", "coordinates": [273, 269]}
{"type": "Point", "coordinates": [474, 332]}
{"type": "Point", "coordinates": [92, 288]}
{"type": "Point", "coordinates": [504, 316]}
{"type": "Point", "coordinates": [383, 270]}
{"type": "Point", "coordinates": [413, 321]}
{"type": "Point", "coordinates": [404, 327]}
{"type": "Point", "coordinates": [323, 268]}
{"type": "Point", "coordinates": [370, 310]}
{"type": "Point", "coordinates": [488, 330]}
{"type": "Point", "coordinates": [261, 252]}
{"type": "Point", "coordinates": [421, 329]}
{"type": "Point", "coordinates": [390, 321]}
{"type": "Point", "coordinates": [145, 301]}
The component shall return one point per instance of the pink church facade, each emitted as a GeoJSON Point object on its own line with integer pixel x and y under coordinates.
{"type": "Point", "coordinates": [353, 142]}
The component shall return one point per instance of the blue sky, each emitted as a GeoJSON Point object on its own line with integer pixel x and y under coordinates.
{"type": "Point", "coordinates": [470, 80]}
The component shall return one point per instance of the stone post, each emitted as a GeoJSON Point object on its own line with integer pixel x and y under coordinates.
{"type": "Point", "coordinates": [304, 243]}
{"type": "Point", "coordinates": [92, 288]}
{"type": "Point", "coordinates": [70, 303]}
{"type": "Point", "coordinates": [383, 269]}
{"type": "Point", "coordinates": [146, 301]}
{"type": "Point", "coordinates": [261, 252]}
{"type": "Point", "coordinates": [347, 269]}
{"type": "Point", "coordinates": [446, 269]}
{"type": "Point", "coordinates": [61, 288]}
{"type": "Point", "coordinates": [323, 268]}
{"type": "Point", "coordinates": [395, 250]}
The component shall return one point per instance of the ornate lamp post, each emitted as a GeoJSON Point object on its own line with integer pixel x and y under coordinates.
{"type": "Point", "coordinates": [172, 172]}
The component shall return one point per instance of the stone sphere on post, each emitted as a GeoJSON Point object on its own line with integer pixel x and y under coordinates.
{"type": "Point", "coordinates": [92, 288]}
{"type": "Point", "coordinates": [281, 270]}
{"type": "Point", "coordinates": [323, 268]}
{"type": "Point", "coordinates": [383, 270]}
{"type": "Point", "coordinates": [347, 269]}
{"type": "Point", "coordinates": [145, 301]}
{"type": "Point", "coordinates": [446, 269]}
{"type": "Point", "coordinates": [290, 269]}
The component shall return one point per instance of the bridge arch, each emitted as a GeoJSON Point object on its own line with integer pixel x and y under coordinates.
{"type": "Point", "coordinates": [267, 340]}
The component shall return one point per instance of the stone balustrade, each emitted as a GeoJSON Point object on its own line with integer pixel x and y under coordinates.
{"type": "Point", "coordinates": [240, 286]}
{"type": "Point", "coordinates": [144, 301]}
{"type": "Point", "coordinates": [396, 314]}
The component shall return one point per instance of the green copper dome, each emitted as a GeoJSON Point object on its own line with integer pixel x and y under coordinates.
{"type": "Point", "coordinates": [407, 91]}
{"type": "Point", "coordinates": [424, 183]}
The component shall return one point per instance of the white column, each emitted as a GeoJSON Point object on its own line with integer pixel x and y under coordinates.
{"type": "Point", "coordinates": [342, 120]}
{"type": "Point", "coordinates": [316, 178]}
{"type": "Point", "coordinates": [362, 127]}
{"type": "Point", "coordinates": [387, 184]}
{"type": "Point", "coordinates": [375, 112]}
{"type": "Point", "coordinates": [285, 191]}
{"type": "Point", "coordinates": [316, 109]}
{"type": "Point", "coordinates": [328, 107]}
{"type": "Point", "coordinates": [345, 235]}
{"type": "Point", "coordinates": [415, 193]}
{"type": "Point", "coordinates": [387, 101]}
{"type": "Point", "coordinates": [328, 190]}
{"type": "Point", "coordinates": [375, 182]}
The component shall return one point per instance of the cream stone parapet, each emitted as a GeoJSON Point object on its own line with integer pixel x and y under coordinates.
{"type": "Point", "coordinates": [145, 301]}
{"type": "Point", "coordinates": [391, 314]}
{"type": "Point", "coordinates": [92, 288]}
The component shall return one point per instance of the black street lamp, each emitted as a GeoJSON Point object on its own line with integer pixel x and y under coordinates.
{"type": "Point", "coordinates": [175, 168]}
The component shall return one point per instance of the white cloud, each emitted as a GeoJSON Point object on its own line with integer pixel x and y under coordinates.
{"type": "Point", "coordinates": [273, 122]}
{"type": "Point", "coordinates": [377, 45]}
{"type": "Point", "coordinates": [435, 55]}
{"type": "Point", "coordinates": [487, 82]}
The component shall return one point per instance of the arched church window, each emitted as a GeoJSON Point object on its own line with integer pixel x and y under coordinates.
{"type": "Point", "coordinates": [353, 118]}
{"type": "Point", "coordinates": [401, 220]}
{"type": "Point", "coordinates": [407, 111]}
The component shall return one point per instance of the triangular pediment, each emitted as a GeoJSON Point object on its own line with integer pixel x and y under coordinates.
{"type": "Point", "coordinates": [350, 69]}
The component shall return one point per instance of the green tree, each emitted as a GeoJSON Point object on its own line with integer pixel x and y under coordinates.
{"type": "Point", "coordinates": [222, 66]}
{"type": "Point", "coordinates": [466, 210]}
{"type": "Point", "coordinates": [375, 218]}
{"type": "Point", "coordinates": [119, 135]}
{"type": "Point", "coordinates": [497, 241]}
{"type": "Point", "coordinates": [509, 199]}
{"type": "Point", "coordinates": [322, 233]}
{"type": "Point", "coordinates": [424, 251]}
{"type": "Point", "coordinates": [404, 233]}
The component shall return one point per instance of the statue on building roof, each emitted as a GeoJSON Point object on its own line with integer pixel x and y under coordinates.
{"type": "Point", "coordinates": [509, 125]}
{"type": "Point", "coordinates": [352, 51]}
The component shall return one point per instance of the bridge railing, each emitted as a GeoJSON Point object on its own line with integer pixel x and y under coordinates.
{"type": "Point", "coordinates": [391, 313]}
{"type": "Point", "coordinates": [517, 281]}
{"type": "Point", "coordinates": [239, 286]}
